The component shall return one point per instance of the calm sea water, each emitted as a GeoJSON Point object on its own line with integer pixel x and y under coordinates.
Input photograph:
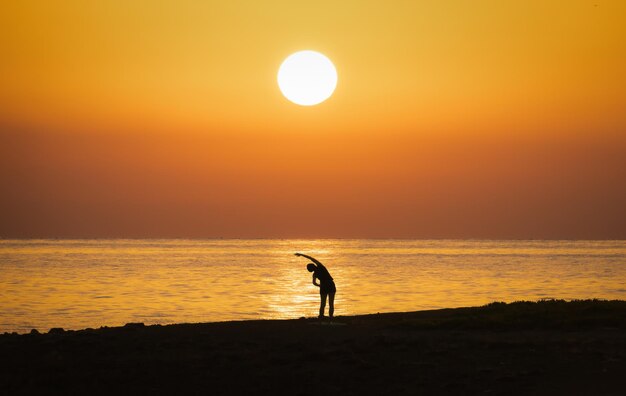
{"type": "Point", "coordinates": [91, 283]}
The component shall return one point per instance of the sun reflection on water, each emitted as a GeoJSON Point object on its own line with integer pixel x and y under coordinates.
{"type": "Point", "coordinates": [78, 284]}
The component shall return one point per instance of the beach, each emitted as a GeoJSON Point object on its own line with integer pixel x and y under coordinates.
{"type": "Point", "coordinates": [77, 284]}
{"type": "Point", "coordinates": [549, 347]}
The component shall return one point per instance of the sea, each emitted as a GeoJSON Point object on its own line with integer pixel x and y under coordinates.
{"type": "Point", "coordinates": [76, 284]}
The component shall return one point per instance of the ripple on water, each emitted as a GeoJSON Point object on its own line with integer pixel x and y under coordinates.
{"type": "Point", "coordinates": [78, 284]}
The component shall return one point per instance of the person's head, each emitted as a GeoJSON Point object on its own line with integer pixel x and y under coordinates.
{"type": "Point", "coordinates": [311, 267]}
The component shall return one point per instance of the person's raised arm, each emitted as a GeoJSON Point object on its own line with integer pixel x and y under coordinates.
{"type": "Point", "coordinates": [310, 258]}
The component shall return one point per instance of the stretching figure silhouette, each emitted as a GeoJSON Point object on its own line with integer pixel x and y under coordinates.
{"type": "Point", "coordinates": [326, 284]}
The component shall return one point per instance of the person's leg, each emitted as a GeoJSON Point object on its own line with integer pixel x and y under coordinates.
{"type": "Point", "coordinates": [322, 303]}
{"type": "Point", "coordinates": [331, 304]}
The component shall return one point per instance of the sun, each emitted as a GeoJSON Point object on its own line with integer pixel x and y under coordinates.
{"type": "Point", "coordinates": [307, 78]}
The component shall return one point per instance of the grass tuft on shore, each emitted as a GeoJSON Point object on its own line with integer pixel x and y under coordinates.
{"type": "Point", "coordinates": [519, 315]}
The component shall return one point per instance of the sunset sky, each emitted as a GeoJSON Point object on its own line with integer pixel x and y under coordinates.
{"type": "Point", "coordinates": [451, 119]}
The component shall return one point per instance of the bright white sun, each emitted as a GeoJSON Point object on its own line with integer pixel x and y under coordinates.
{"type": "Point", "coordinates": [307, 78]}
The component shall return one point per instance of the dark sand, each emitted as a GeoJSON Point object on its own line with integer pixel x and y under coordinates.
{"type": "Point", "coordinates": [547, 348]}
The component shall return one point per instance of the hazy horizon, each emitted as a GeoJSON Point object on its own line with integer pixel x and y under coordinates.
{"type": "Point", "coordinates": [464, 119]}
{"type": "Point", "coordinates": [306, 239]}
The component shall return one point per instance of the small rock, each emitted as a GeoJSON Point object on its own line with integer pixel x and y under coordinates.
{"type": "Point", "coordinates": [56, 330]}
{"type": "Point", "coordinates": [34, 331]}
{"type": "Point", "coordinates": [134, 325]}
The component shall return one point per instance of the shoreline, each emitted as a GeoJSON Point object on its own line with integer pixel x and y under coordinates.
{"type": "Point", "coordinates": [547, 347]}
{"type": "Point", "coordinates": [439, 314]}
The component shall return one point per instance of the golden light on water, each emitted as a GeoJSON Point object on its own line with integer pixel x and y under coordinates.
{"type": "Point", "coordinates": [78, 284]}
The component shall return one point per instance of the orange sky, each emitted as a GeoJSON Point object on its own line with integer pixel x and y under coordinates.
{"type": "Point", "coordinates": [451, 119]}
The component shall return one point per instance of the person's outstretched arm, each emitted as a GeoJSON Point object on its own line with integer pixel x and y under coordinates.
{"type": "Point", "coordinates": [310, 258]}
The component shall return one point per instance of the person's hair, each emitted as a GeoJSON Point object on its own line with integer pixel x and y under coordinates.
{"type": "Point", "coordinates": [311, 267]}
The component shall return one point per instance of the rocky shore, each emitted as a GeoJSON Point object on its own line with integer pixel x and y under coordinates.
{"type": "Point", "coordinates": [549, 347]}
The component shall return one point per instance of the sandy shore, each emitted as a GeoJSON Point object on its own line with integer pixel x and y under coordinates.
{"type": "Point", "coordinates": [546, 348]}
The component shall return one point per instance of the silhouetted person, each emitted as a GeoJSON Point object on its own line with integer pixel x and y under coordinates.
{"type": "Point", "coordinates": [326, 285]}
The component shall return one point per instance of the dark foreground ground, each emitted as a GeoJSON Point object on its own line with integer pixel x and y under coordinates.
{"type": "Point", "coordinates": [551, 347]}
